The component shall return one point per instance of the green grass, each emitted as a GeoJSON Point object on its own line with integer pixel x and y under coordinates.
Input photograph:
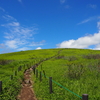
{"type": "Point", "coordinates": [81, 76]}
{"type": "Point", "coordinates": [10, 62]}
{"type": "Point", "coordinates": [78, 70]}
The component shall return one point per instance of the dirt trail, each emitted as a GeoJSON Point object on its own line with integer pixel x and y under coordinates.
{"type": "Point", "coordinates": [27, 92]}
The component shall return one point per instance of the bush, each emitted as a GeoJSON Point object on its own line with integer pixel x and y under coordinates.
{"type": "Point", "coordinates": [72, 58]}
{"type": "Point", "coordinates": [10, 90]}
{"type": "Point", "coordinates": [4, 62]}
{"type": "Point", "coordinates": [75, 71]}
{"type": "Point", "coordinates": [92, 56]}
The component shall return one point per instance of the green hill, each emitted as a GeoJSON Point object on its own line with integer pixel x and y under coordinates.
{"type": "Point", "coordinates": [78, 70]}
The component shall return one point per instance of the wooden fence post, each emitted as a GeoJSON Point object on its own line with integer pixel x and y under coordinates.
{"type": "Point", "coordinates": [50, 85]}
{"type": "Point", "coordinates": [40, 76]}
{"type": "Point", "coordinates": [44, 73]}
{"type": "Point", "coordinates": [15, 73]}
{"type": "Point", "coordinates": [0, 86]}
{"type": "Point", "coordinates": [11, 77]}
{"type": "Point", "coordinates": [34, 70]}
{"type": "Point", "coordinates": [85, 97]}
{"type": "Point", "coordinates": [20, 67]}
{"type": "Point", "coordinates": [36, 73]}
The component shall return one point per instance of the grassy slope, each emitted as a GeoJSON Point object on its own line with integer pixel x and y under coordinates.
{"type": "Point", "coordinates": [10, 62]}
{"type": "Point", "coordinates": [65, 69]}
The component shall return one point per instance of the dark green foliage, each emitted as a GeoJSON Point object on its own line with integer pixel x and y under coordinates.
{"type": "Point", "coordinates": [18, 62]}
{"type": "Point", "coordinates": [60, 57]}
{"type": "Point", "coordinates": [11, 90]}
{"type": "Point", "coordinates": [72, 58]}
{"type": "Point", "coordinates": [69, 58]}
{"type": "Point", "coordinates": [4, 62]}
{"type": "Point", "coordinates": [75, 71]}
{"type": "Point", "coordinates": [92, 56]}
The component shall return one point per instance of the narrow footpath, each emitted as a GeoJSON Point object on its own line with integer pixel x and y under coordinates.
{"type": "Point", "coordinates": [27, 92]}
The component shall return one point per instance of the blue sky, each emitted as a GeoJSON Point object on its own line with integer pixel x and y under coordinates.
{"type": "Point", "coordinates": [45, 24]}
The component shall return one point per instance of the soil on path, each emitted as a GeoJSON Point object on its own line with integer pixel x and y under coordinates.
{"type": "Point", "coordinates": [27, 92]}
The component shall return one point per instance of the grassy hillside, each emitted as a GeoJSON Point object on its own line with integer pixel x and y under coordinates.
{"type": "Point", "coordinates": [76, 69]}
{"type": "Point", "coordinates": [10, 64]}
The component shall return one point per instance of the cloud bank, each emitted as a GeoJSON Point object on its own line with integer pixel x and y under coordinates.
{"type": "Point", "coordinates": [38, 48]}
{"type": "Point", "coordinates": [18, 37]}
{"type": "Point", "coordinates": [88, 20]}
{"type": "Point", "coordinates": [83, 42]}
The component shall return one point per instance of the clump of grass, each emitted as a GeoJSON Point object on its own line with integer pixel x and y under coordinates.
{"type": "Point", "coordinates": [4, 62]}
{"type": "Point", "coordinates": [11, 90]}
{"type": "Point", "coordinates": [60, 57]}
{"type": "Point", "coordinates": [75, 71]}
{"type": "Point", "coordinates": [72, 58]}
{"type": "Point", "coordinates": [92, 56]}
{"type": "Point", "coordinates": [69, 58]}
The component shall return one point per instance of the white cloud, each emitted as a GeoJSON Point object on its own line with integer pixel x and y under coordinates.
{"type": "Point", "coordinates": [4, 49]}
{"type": "Point", "coordinates": [37, 43]}
{"type": "Point", "coordinates": [8, 25]}
{"type": "Point", "coordinates": [98, 25]}
{"type": "Point", "coordinates": [83, 42]}
{"type": "Point", "coordinates": [92, 6]}
{"type": "Point", "coordinates": [97, 47]}
{"type": "Point", "coordinates": [14, 24]}
{"type": "Point", "coordinates": [62, 1]}
{"type": "Point", "coordinates": [11, 44]}
{"type": "Point", "coordinates": [9, 18]}
{"type": "Point", "coordinates": [15, 31]}
{"type": "Point", "coordinates": [2, 46]}
{"type": "Point", "coordinates": [23, 49]}
{"type": "Point", "coordinates": [87, 20]}
{"type": "Point", "coordinates": [2, 9]}
{"type": "Point", "coordinates": [18, 37]}
{"type": "Point", "coordinates": [38, 48]}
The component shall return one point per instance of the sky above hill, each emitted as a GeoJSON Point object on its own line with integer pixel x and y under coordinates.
{"type": "Point", "coordinates": [45, 24]}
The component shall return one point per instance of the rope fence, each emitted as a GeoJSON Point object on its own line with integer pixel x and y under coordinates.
{"type": "Point", "coordinates": [36, 72]}
{"type": "Point", "coordinates": [84, 96]}
{"type": "Point", "coordinates": [11, 77]}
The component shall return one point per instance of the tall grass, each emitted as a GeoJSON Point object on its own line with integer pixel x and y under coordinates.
{"type": "Point", "coordinates": [76, 69]}
{"type": "Point", "coordinates": [73, 71]}
{"type": "Point", "coordinates": [10, 62]}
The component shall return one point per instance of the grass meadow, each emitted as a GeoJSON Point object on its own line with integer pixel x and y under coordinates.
{"type": "Point", "coordinates": [78, 70]}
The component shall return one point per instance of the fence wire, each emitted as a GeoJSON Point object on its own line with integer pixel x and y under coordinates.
{"type": "Point", "coordinates": [62, 86]}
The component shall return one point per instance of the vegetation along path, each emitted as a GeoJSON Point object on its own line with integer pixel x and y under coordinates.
{"type": "Point", "coordinates": [27, 92]}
